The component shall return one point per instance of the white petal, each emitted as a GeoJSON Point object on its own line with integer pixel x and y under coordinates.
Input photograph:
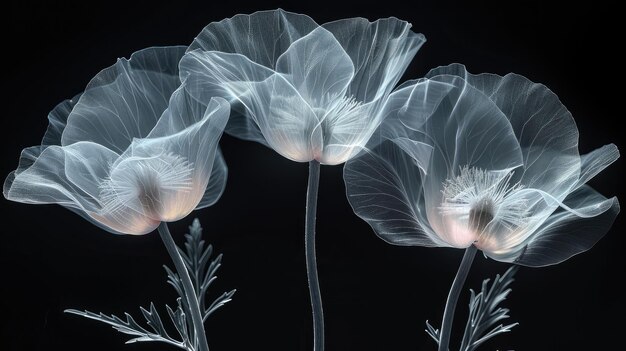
{"type": "Point", "coordinates": [571, 230]}
{"type": "Point", "coordinates": [545, 129]}
{"type": "Point", "coordinates": [410, 105]}
{"type": "Point", "coordinates": [41, 179]}
{"type": "Point", "coordinates": [384, 189]}
{"type": "Point", "coordinates": [415, 101]}
{"type": "Point", "coordinates": [285, 120]}
{"type": "Point", "coordinates": [86, 165]}
{"type": "Point", "coordinates": [347, 133]}
{"type": "Point", "coordinates": [217, 182]}
{"type": "Point", "coordinates": [70, 176]}
{"type": "Point", "coordinates": [57, 120]}
{"type": "Point", "coordinates": [318, 67]}
{"type": "Point", "coordinates": [289, 126]}
{"type": "Point", "coordinates": [596, 161]}
{"type": "Point", "coordinates": [125, 101]}
{"type": "Point", "coordinates": [192, 149]}
{"type": "Point", "coordinates": [125, 222]}
{"type": "Point", "coordinates": [261, 37]}
{"type": "Point", "coordinates": [467, 130]}
{"type": "Point", "coordinates": [502, 238]}
{"type": "Point", "coordinates": [380, 52]}
{"type": "Point", "coordinates": [183, 112]}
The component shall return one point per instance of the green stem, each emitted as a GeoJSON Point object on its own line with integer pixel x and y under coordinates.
{"type": "Point", "coordinates": [311, 264]}
{"type": "Point", "coordinates": [453, 297]}
{"type": "Point", "coordinates": [183, 273]}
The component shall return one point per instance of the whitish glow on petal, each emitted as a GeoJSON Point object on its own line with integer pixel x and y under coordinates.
{"type": "Point", "coordinates": [574, 228]}
{"type": "Point", "coordinates": [317, 67]}
{"type": "Point", "coordinates": [346, 125]}
{"type": "Point", "coordinates": [477, 196]}
{"type": "Point", "coordinates": [261, 36]}
{"type": "Point", "coordinates": [503, 171]}
{"type": "Point", "coordinates": [143, 181]}
{"type": "Point", "coordinates": [383, 186]}
{"type": "Point", "coordinates": [125, 101]}
{"type": "Point", "coordinates": [282, 119]}
{"type": "Point", "coordinates": [544, 128]}
{"type": "Point", "coordinates": [308, 92]}
{"type": "Point", "coordinates": [118, 181]}
{"type": "Point", "coordinates": [380, 52]}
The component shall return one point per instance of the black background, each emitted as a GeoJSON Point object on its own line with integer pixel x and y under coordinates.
{"type": "Point", "coordinates": [376, 296]}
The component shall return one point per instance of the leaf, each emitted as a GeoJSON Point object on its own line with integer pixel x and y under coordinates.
{"type": "Point", "coordinates": [219, 302]}
{"type": "Point", "coordinates": [131, 327]}
{"type": "Point", "coordinates": [202, 271]}
{"type": "Point", "coordinates": [433, 332]}
{"type": "Point", "coordinates": [484, 313]}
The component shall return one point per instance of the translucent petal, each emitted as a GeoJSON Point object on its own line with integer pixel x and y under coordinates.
{"type": "Point", "coordinates": [596, 161]}
{"type": "Point", "coordinates": [233, 77]}
{"type": "Point", "coordinates": [261, 37]}
{"type": "Point", "coordinates": [87, 164]}
{"type": "Point", "coordinates": [545, 129]}
{"type": "Point", "coordinates": [346, 133]}
{"type": "Point", "coordinates": [414, 102]}
{"type": "Point", "coordinates": [217, 182]}
{"type": "Point", "coordinates": [183, 112]}
{"type": "Point", "coordinates": [122, 103]}
{"type": "Point", "coordinates": [289, 125]}
{"type": "Point", "coordinates": [383, 187]}
{"type": "Point", "coordinates": [318, 67]}
{"type": "Point", "coordinates": [174, 170]}
{"type": "Point", "coordinates": [230, 76]}
{"type": "Point", "coordinates": [57, 120]}
{"type": "Point", "coordinates": [125, 101]}
{"type": "Point", "coordinates": [570, 231]}
{"type": "Point", "coordinates": [362, 127]}
{"type": "Point", "coordinates": [380, 52]}
{"type": "Point", "coordinates": [41, 179]}
{"type": "Point", "coordinates": [466, 130]}
{"type": "Point", "coordinates": [504, 243]}
{"type": "Point", "coordinates": [243, 127]}
{"type": "Point", "coordinates": [126, 221]}
{"type": "Point", "coordinates": [58, 175]}
{"type": "Point", "coordinates": [501, 239]}
{"type": "Point", "coordinates": [285, 120]}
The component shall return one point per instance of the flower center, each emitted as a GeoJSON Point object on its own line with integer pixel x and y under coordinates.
{"type": "Point", "coordinates": [477, 197]}
{"type": "Point", "coordinates": [143, 184]}
{"type": "Point", "coordinates": [480, 215]}
{"type": "Point", "coordinates": [342, 106]}
{"type": "Point", "coordinates": [338, 108]}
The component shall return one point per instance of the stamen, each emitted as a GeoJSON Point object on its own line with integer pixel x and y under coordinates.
{"type": "Point", "coordinates": [145, 179]}
{"type": "Point", "coordinates": [478, 197]}
{"type": "Point", "coordinates": [341, 107]}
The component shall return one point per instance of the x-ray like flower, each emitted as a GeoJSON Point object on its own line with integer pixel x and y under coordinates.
{"type": "Point", "coordinates": [118, 156]}
{"type": "Point", "coordinates": [496, 165]}
{"type": "Point", "coordinates": [310, 92]}
{"type": "Point", "coordinates": [481, 162]}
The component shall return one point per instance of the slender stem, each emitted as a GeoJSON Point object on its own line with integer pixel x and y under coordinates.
{"type": "Point", "coordinates": [311, 264]}
{"type": "Point", "coordinates": [453, 297]}
{"type": "Point", "coordinates": [192, 299]}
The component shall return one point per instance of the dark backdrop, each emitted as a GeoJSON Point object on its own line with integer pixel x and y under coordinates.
{"type": "Point", "coordinates": [376, 296]}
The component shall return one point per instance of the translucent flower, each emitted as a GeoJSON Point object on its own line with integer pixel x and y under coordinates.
{"type": "Point", "coordinates": [119, 157]}
{"type": "Point", "coordinates": [482, 160]}
{"type": "Point", "coordinates": [310, 92]}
